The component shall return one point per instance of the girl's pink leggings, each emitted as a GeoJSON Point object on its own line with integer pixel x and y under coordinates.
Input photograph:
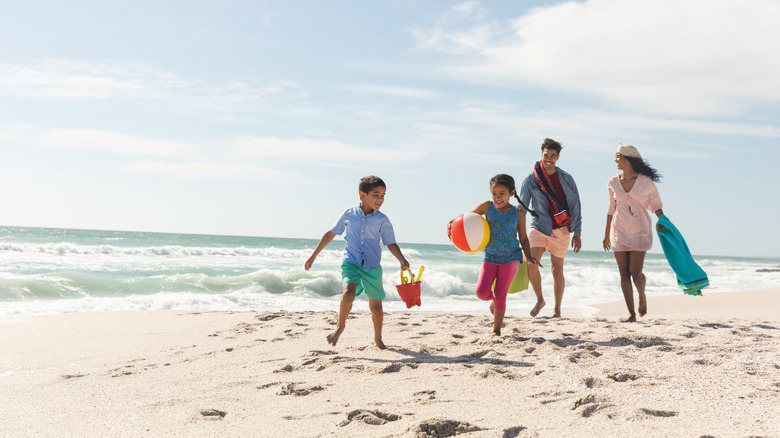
{"type": "Point", "coordinates": [503, 274]}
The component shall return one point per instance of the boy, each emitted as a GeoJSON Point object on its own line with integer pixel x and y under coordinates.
{"type": "Point", "coordinates": [361, 269]}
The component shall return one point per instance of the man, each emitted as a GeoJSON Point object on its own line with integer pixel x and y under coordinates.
{"type": "Point", "coordinates": [553, 195]}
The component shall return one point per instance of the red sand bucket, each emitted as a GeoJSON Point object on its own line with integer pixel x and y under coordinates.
{"type": "Point", "coordinates": [409, 292]}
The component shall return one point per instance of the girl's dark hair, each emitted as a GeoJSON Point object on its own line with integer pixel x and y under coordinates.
{"type": "Point", "coordinates": [509, 182]}
{"type": "Point", "coordinates": [643, 167]}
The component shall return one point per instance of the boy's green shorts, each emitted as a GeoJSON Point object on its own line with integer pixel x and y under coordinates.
{"type": "Point", "coordinates": [369, 280]}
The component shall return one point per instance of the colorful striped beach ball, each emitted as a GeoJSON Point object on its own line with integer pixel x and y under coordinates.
{"type": "Point", "coordinates": [470, 232]}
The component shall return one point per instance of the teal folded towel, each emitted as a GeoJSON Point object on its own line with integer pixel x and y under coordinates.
{"type": "Point", "coordinates": [690, 277]}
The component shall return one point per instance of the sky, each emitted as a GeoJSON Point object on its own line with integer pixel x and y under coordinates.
{"type": "Point", "coordinates": [258, 118]}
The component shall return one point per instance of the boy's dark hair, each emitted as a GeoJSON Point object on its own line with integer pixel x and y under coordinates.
{"type": "Point", "coordinates": [509, 182]}
{"type": "Point", "coordinates": [370, 182]}
{"type": "Point", "coordinates": [549, 143]}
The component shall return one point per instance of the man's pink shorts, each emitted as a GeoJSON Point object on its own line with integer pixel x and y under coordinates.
{"type": "Point", "coordinates": [557, 244]}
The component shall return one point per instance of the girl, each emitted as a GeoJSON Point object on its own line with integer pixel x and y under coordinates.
{"type": "Point", "coordinates": [629, 233]}
{"type": "Point", "coordinates": [503, 252]}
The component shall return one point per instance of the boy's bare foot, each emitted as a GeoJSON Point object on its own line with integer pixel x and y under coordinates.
{"type": "Point", "coordinates": [492, 308]}
{"type": "Point", "coordinates": [631, 318]}
{"type": "Point", "coordinates": [642, 305]}
{"type": "Point", "coordinates": [496, 332]}
{"type": "Point", "coordinates": [334, 337]}
{"type": "Point", "coordinates": [537, 308]}
{"type": "Point", "coordinates": [556, 315]}
{"type": "Point", "coordinates": [380, 344]}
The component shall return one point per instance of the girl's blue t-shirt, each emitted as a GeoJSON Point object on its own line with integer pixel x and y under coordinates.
{"type": "Point", "coordinates": [503, 246]}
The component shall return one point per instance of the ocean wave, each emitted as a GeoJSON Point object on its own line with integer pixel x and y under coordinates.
{"type": "Point", "coordinates": [167, 250]}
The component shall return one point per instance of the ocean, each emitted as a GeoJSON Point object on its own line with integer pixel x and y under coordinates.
{"type": "Point", "coordinates": [49, 271]}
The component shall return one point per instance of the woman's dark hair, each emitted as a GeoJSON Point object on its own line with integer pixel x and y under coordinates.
{"type": "Point", "coordinates": [509, 182]}
{"type": "Point", "coordinates": [552, 144]}
{"type": "Point", "coordinates": [643, 167]}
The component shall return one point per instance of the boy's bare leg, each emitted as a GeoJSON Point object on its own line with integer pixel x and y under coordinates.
{"type": "Point", "coordinates": [377, 317]}
{"type": "Point", "coordinates": [347, 298]}
{"type": "Point", "coordinates": [535, 278]}
{"type": "Point", "coordinates": [559, 283]}
{"type": "Point", "coordinates": [498, 322]}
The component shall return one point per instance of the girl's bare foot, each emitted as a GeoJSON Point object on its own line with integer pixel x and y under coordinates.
{"type": "Point", "coordinates": [631, 318]}
{"type": "Point", "coordinates": [492, 309]}
{"type": "Point", "coordinates": [642, 305]}
{"type": "Point", "coordinates": [334, 337]}
{"type": "Point", "coordinates": [537, 308]}
{"type": "Point", "coordinates": [556, 315]}
{"type": "Point", "coordinates": [380, 344]}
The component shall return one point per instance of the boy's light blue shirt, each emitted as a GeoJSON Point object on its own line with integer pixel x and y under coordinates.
{"type": "Point", "coordinates": [533, 196]}
{"type": "Point", "coordinates": [363, 236]}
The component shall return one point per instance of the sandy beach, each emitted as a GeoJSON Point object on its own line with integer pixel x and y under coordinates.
{"type": "Point", "coordinates": [710, 370]}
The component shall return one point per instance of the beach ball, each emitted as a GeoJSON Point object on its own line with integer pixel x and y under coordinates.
{"type": "Point", "coordinates": [470, 232]}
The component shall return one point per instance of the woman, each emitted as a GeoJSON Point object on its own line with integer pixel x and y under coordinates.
{"type": "Point", "coordinates": [629, 229]}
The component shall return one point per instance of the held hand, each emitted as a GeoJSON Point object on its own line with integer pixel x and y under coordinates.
{"type": "Point", "coordinates": [660, 228]}
{"type": "Point", "coordinates": [404, 264]}
{"type": "Point", "coordinates": [533, 262]}
{"type": "Point", "coordinates": [607, 244]}
{"type": "Point", "coordinates": [309, 262]}
{"type": "Point", "coordinates": [576, 244]}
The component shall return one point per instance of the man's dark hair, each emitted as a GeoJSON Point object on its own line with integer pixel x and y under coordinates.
{"type": "Point", "coordinates": [552, 144]}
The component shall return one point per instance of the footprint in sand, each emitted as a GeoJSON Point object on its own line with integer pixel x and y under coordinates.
{"type": "Point", "coordinates": [212, 414]}
{"type": "Point", "coordinates": [298, 389]}
{"type": "Point", "coordinates": [429, 394]}
{"type": "Point", "coordinates": [268, 316]}
{"type": "Point", "coordinates": [374, 418]}
{"type": "Point", "coordinates": [590, 405]}
{"type": "Point", "coordinates": [285, 369]}
{"type": "Point", "coordinates": [548, 397]}
{"type": "Point", "coordinates": [497, 372]}
{"type": "Point", "coordinates": [441, 427]}
{"type": "Point", "coordinates": [317, 353]}
{"type": "Point", "coordinates": [268, 385]}
{"type": "Point", "coordinates": [73, 376]}
{"type": "Point", "coordinates": [658, 413]}
{"type": "Point", "coordinates": [513, 432]}
{"type": "Point", "coordinates": [396, 367]}
{"type": "Point", "coordinates": [623, 376]}
{"type": "Point", "coordinates": [715, 326]}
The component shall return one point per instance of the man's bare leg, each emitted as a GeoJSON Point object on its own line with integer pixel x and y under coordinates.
{"type": "Point", "coordinates": [559, 283]}
{"type": "Point", "coordinates": [535, 278]}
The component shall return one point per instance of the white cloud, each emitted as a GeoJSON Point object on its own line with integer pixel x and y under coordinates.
{"type": "Point", "coordinates": [468, 8]}
{"type": "Point", "coordinates": [62, 79]}
{"type": "Point", "coordinates": [414, 93]}
{"type": "Point", "coordinates": [108, 79]}
{"type": "Point", "coordinates": [204, 170]}
{"type": "Point", "coordinates": [695, 57]}
{"type": "Point", "coordinates": [111, 142]}
{"type": "Point", "coordinates": [316, 150]}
